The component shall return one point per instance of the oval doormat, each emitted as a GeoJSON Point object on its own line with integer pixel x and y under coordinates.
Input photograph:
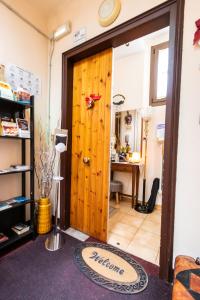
{"type": "Point", "coordinates": [111, 268]}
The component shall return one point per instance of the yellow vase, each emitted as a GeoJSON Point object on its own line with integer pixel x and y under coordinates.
{"type": "Point", "coordinates": [44, 223]}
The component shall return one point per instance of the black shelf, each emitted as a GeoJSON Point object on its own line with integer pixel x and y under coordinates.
{"type": "Point", "coordinates": [16, 213]}
{"type": "Point", "coordinates": [15, 104]}
{"type": "Point", "coordinates": [15, 172]}
{"type": "Point", "coordinates": [14, 237]}
{"type": "Point", "coordinates": [13, 137]}
{"type": "Point", "coordinates": [14, 205]}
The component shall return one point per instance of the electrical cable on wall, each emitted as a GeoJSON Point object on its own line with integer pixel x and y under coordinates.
{"type": "Point", "coordinates": [52, 47]}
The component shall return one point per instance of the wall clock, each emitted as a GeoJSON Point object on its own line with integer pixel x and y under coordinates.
{"type": "Point", "coordinates": [109, 11]}
{"type": "Point", "coordinates": [118, 99]}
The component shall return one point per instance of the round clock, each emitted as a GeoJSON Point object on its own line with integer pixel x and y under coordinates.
{"type": "Point", "coordinates": [109, 11]}
{"type": "Point", "coordinates": [118, 99]}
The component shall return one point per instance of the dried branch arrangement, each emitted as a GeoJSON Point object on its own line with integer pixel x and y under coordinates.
{"type": "Point", "coordinates": [45, 165]}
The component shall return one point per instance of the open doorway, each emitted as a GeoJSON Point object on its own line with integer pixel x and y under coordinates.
{"type": "Point", "coordinates": [140, 70]}
{"type": "Point", "coordinates": [169, 13]}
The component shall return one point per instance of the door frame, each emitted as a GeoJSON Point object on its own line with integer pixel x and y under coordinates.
{"type": "Point", "coordinates": [169, 13]}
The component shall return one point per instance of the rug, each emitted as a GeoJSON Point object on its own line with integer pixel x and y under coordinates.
{"type": "Point", "coordinates": [110, 268]}
{"type": "Point", "coordinates": [32, 273]}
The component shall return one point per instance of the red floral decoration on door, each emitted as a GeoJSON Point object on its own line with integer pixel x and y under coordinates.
{"type": "Point", "coordinates": [197, 33]}
{"type": "Point", "coordinates": [90, 101]}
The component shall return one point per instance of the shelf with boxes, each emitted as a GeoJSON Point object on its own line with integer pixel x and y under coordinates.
{"type": "Point", "coordinates": [15, 118]}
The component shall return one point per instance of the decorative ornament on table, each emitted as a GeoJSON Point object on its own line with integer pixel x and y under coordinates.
{"type": "Point", "coordinates": [90, 101]}
{"type": "Point", "coordinates": [128, 119]}
{"type": "Point", "coordinates": [196, 40]}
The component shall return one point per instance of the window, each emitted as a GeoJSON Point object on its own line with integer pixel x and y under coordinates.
{"type": "Point", "coordinates": [159, 74]}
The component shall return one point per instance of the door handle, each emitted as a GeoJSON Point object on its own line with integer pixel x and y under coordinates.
{"type": "Point", "coordinates": [86, 160]}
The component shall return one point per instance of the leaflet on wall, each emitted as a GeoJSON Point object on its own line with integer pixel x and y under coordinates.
{"type": "Point", "coordinates": [160, 132]}
{"type": "Point", "coordinates": [20, 78]}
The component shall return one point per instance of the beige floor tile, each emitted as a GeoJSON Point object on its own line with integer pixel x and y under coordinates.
{"type": "Point", "coordinates": [154, 218]}
{"type": "Point", "coordinates": [151, 226]}
{"type": "Point", "coordinates": [146, 238]}
{"type": "Point", "coordinates": [135, 233]}
{"type": "Point", "coordinates": [131, 211]}
{"type": "Point", "coordinates": [158, 208]}
{"type": "Point", "coordinates": [123, 230]}
{"type": "Point", "coordinates": [132, 220]}
{"type": "Point", "coordinates": [118, 241]}
{"type": "Point", "coordinates": [143, 252]}
{"type": "Point", "coordinates": [157, 261]}
{"type": "Point", "coordinates": [115, 218]}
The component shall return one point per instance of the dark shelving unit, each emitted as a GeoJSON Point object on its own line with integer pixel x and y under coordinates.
{"type": "Point", "coordinates": [13, 137]}
{"type": "Point", "coordinates": [17, 212]}
{"type": "Point", "coordinates": [15, 171]}
{"type": "Point", "coordinates": [14, 237]}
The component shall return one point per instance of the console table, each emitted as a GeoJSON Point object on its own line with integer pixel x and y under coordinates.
{"type": "Point", "coordinates": [130, 168]}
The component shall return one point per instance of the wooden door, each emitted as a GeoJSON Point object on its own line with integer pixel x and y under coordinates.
{"type": "Point", "coordinates": [91, 138]}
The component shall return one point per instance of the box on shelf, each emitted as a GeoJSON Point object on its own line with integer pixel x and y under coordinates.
{"type": "Point", "coordinates": [23, 128]}
{"type": "Point", "coordinates": [5, 91]}
{"type": "Point", "coordinates": [20, 228]}
{"type": "Point", "coordinates": [2, 72]}
{"type": "Point", "coordinates": [3, 237]}
{"type": "Point", "coordinates": [23, 95]}
{"type": "Point", "coordinates": [21, 199]}
{"type": "Point", "coordinates": [8, 128]}
{"type": "Point", "coordinates": [4, 206]}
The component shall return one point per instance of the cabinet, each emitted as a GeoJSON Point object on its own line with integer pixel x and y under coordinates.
{"type": "Point", "coordinates": [17, 212]}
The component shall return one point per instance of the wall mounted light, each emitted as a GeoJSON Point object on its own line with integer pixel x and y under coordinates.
{"type": "Point", "coordinates": [61, 31]}
{"type": "Point", "coordinates": [196, 40]}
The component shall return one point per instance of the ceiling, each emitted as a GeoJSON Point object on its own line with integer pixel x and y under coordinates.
{"type": "Point", "coordinates": [37, 12]}
{"type": "Point", "coordinates": [138, 45]}
{"type": "Point", "coordinates": [47, 7]}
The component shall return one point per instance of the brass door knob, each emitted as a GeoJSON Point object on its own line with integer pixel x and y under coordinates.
{"type": "Point", "coordinates": [86, 160]}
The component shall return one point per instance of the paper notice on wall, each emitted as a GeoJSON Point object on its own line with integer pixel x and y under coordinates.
{"type": "Point", "coordinates": [160, 132]}
{"type": "Point", "coordinates": [20, 78]}
{"type": "Point", "coordinates": [80, 36]}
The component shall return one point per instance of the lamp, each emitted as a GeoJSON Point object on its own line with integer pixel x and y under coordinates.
{"type": "Point", "coordinates": [61, 31]}
{"type": "Point", "coordinates": [135, 157]}
{"type": "Point", "coordinates": [146, 117]}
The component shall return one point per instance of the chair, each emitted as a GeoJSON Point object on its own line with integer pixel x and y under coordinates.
{"type": "Point", "coordinates": [186, 278]}
{"type": "Point", "coordinates": [116, 187]}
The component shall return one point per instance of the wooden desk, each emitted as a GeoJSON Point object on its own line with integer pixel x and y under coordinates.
{"type": "Point", "coordinates": [130, 168]}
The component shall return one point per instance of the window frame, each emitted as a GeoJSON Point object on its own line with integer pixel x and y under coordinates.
{"type": "Point", "coordinates": [153, 101]}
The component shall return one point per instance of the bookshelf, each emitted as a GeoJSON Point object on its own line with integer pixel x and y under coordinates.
{"type": "Point", "coordinates": [17, 211]}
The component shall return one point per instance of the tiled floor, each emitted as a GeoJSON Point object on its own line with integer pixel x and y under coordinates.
{"type": "Point", "coordinates": [135, 233]}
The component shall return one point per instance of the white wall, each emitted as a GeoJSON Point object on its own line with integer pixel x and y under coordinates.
{"type": "Point", "coordinates": [128, 78]}
{"type": "Point", "coordinates": [131, 77]}
{"type": "Point", "coordinates": [187, 212]}
{"type": "Point", "coordinates": [82, 15]}
{"type": "Point", "coordinates": [23, 46]}
{"type": "Point", "coordinates": [154, 151]}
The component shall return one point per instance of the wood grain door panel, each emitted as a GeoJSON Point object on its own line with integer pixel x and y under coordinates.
{"type": "Point", "coordinates": [91, 138]}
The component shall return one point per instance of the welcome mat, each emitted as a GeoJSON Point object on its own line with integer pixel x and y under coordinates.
{"type": "Point", "coordinates": [111, 268]}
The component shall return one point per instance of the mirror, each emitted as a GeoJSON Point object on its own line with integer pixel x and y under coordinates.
{"type": "Point", "coordinates": [126, 134]}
